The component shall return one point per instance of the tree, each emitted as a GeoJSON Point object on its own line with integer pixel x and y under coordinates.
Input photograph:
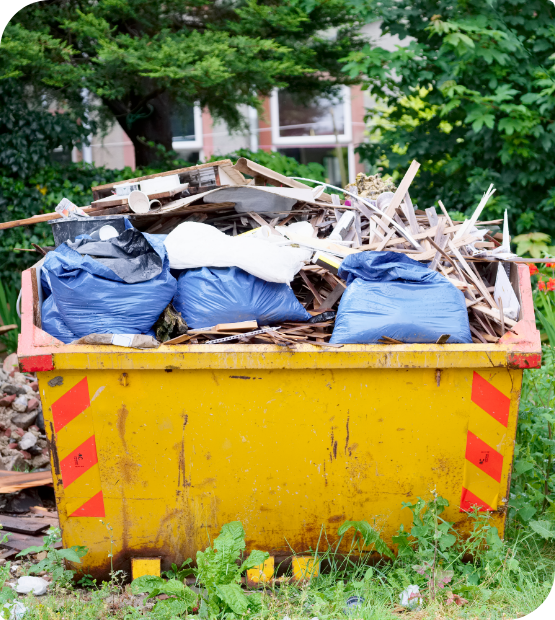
{"type": "Point", "coordinates": [143, 59]}
{"type": "Point", "coordinates": [471, 97]}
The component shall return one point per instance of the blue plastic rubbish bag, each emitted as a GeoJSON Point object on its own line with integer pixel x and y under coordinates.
{"type": "Point", "coordinates": [53, 323]}
{"type": "Point", "coordinates": [390, 294]}
{"type": "Point", "coordinates": [88, 297]}
{"type": "Point", "coordinates": [208, 296]}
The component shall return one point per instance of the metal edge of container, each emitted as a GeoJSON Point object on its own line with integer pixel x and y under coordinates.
{"type": "Point", "coordinates": [38, 351]}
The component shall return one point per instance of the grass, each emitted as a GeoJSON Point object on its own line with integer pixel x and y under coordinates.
{"type": "Point", "coordinates": [501, 594]}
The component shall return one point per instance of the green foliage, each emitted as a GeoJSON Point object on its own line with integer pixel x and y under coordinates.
{"type": "Point", "coordinates": [180, 598]}
{"type": "Point", "coordinates": [54, 563]}
{"type": "Point", "coordinates": [22, 197]}
{"type": "Point", "coordinates": [9, 316]}
{"type": "Point", "coordinates": [471, 97]}
{"type": "Point", "coordinates": [535, 244]}
{"type": "Point", "coordinates": [279, 163]}
{"type": "Point", "coordinates": [218, 572]}
{"type": "Point", "coordinates": [141, 58]}
{"type": "Point", "coordinates": [433, 555]}
{"type": "Point", "coordinates": [368, 534]}
{"type": "Point", "coordinates": [29, 131]}
{"type": "Point", "coordinates": [87, 582]}
{"type": "Point", "coordinates": [180, 573]}
{"type": "Point", "coordinates": [533, 479]}
{"type": "Point", "coordinates": [7, 594]}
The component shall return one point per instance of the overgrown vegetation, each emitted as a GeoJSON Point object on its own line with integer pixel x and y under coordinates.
{"type": "Point", "coordinates": [482, 575]}
{"type": "Point", "coordinates": [470, 95]}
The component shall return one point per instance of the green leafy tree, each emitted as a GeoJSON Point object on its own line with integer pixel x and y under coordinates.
{"type": "Point", "coordinates": [471, 97]}
{"type": "Point", "coordinates": [143, 59]}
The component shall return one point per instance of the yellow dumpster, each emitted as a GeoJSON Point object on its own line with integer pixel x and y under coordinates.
{"type": "Point", "coordinates": [167, 445]}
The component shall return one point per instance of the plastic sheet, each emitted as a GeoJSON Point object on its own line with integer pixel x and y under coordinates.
{"type": "Point", "coordinates": [53, 323]}
{"type": "Point", "coordinates": [89, 297]}
{"type": "Point", "coordinates": [192, 245]}
{"type": "Point", "coordinates": [129, 255]}
{"type": "Point", "coordinates": [209, 296]}
{"type": "Point", "coordinates": [390, 294]}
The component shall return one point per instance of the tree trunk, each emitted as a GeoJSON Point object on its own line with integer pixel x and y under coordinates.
{"type": "Point", "coordinates": [149, 122]}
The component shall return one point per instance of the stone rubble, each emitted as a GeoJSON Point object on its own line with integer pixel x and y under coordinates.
{"type": "Point", "coordinates": [23, 444]}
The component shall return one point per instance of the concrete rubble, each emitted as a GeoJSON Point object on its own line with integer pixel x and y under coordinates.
{"type": "Point", "coordinates": [23, 443]}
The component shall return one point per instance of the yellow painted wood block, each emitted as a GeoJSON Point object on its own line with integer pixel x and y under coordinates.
{"type": "Point", "coordinates": [261, 573]}
{"type": "Point", "coordinates": [305, 568]}
{"type": "Point", "coordinates": [145, 566]}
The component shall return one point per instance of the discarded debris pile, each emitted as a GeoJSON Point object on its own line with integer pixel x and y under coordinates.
{"type": "Point", "coordinates": [220, 252]}
{"type": "Point", "coordinates": [22, 440]}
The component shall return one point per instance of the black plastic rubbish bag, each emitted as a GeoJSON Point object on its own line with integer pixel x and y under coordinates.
{"type": "Point", "coordinates": [390, 294]}
{"type": "Point", "coordinates": [129, 255]}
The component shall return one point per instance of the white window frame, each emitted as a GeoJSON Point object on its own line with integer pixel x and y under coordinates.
{"type": "Point", "coordinates": [198, 142]}
{"type": "Point", "coordinates": [344, 138]}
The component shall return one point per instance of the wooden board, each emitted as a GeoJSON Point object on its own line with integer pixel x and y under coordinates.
{"type": "Point", "coordinates": [12, 481]}
{"type": "Point", "coordinates": [24, 525]}
{"type": "Point", "coordinates": [110, 201]}
{"type": "Point", "coordinates": [109, 186]}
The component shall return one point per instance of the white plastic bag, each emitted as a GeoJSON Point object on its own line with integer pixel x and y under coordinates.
{"type": "Point", "coordinates": [410, 598]}
{"type": "Point", "coordinates": [193, 245]}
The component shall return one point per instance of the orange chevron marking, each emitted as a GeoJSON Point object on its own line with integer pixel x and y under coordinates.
{"type": "Point", "coordinates": [79, 461]}
{"type": "Point", "coordinates": [490, 399]}
{"type": "Point", "coordinates": [71, 404]}
{"type": "Point", "coordinates": [468, 500]}
{"type": "Point", "coordinates": [483, 456]}
{"type": "Point", "coordinates": [93, 507]}
{"type": "Point", "coordinates": [484, 464]}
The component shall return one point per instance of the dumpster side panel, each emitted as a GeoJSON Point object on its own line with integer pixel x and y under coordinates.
{"type": "Point", "coordinates": [167, 457]}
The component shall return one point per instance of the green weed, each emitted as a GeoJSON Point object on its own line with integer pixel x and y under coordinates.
{"type": "Point", "coordinates": [54, 563]}
{"type": "Point", "coordinates": [9, 316]}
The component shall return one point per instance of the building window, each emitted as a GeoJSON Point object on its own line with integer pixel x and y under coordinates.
{"type": "Point", "coordinates": [317, 123]}
{"type": "Point", "coordinates": [186, 124]}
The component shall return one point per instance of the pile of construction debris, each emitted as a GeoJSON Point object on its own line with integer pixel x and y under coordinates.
{"type": "Point", "coordinates": [22, 440]}
{"type": "Point", "coordinates": [320, 231]}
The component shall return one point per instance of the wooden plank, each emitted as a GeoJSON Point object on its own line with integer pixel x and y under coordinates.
{"type": "Point", "coordinates": [107, 186]}
{"type": "Point", "coordinates": [384, 241]}
{"type": "Point", "coordinates": [402, 189]}
{"type": "Point", "coordinates": [441, 241]}
{"type": "Point", "coordinates": [36, 301]}
{"type": "Point", "coordinates": [410, 215]}
{"type": "Point", "coordinates": [246, 166]}
{"type": "Point", "coordinates": [110, 201]}
{"type": "Point", "coordinates": [23, 525]}
{"type": "Point", "coordinates": [10, 482]}
{"type": "Point", "coordinates": [311, 287]}
{"type": "Point", "coordinates": [442, 207]}
{"type": "Point", "coordinates": [456, 244]}
{"type": "Point", "coordinates": [110, 211]}
{"type": "Point", "coordinates": [330, 300]}
{"type": "Point", "coordinates": [243, 326]}
{"type": "Point", "coordinates": [493, 313]}
{"type": "Point", "coordinates": [479, 284]}
{"type": "Point", "coordinates": [431, 214]}
{"type": "Point", "coordinates": [36, 219]}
